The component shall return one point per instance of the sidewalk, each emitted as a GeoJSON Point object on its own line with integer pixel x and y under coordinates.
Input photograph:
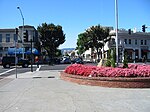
{"type": "Point", "coordinates": [44, 91]}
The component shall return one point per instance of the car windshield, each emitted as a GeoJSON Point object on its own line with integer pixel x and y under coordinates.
{"type": "Point", "coordinates": [77, 59]}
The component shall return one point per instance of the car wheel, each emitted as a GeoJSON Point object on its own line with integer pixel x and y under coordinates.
{"type": "Point", "coordinates": [7, 66]}
{"type": "Point", "coordinates": [4, 66]}
{"type": "Point", "coordinates": [25, 65]}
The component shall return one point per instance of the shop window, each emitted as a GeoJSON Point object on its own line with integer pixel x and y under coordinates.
{"type": "Point", "coordinates": [141, 42]}
{"type": "Point", "coordinates": [129, 41]}
{"type": "Point", "coordinates": [1, 48]}
{"type": "Point", "coordinates": [0, 37]}
{"type": "Point", "coordinates": [125, 41]}
{"type": "Point", "coordinates": [135, 42]}
{"type": "Point", "coordinates": [7, 37]}
{"type": "Point", "coordinates": [145, 42]}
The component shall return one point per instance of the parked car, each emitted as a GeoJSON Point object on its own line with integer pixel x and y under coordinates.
{"type": "Point", "coordinates": [54, 61]}
{"type": "Point", "coordinates": [0, 60]}
{"type": "Point", "coordinates": [8, 61]}
{"type": "Point", "coordinates": [66, 61]}
{"type": "Point", "coordinates": [77, 61]}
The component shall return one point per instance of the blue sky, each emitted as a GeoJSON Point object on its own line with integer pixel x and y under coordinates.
{"type": "Point", "coordinates": [75, 15]}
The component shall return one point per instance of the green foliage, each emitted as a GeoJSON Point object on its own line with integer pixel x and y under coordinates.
{"type": "Point", "coordinates": [113, 63]}
{"type": "Point", "coordinates": [51, 37]}
{"type": "Point", "coordinates": [108, 63]}
{"type": "Point", "coordinates": [81, 43]}
{"type": "Point", "coordinates": [109, 54]}
{"type": "Point", "coordinates": [114, 54]}
{"type": "Point", "coordinates": [58, 53]}
{"type": "Point", "coordinates": [94, 37]}
{"type": "Point", "coordinates": [37, 45]}
{"type": "Point", "coordinates": [111, 58]}
{"type": "Point", "coordinates": [125, 61]}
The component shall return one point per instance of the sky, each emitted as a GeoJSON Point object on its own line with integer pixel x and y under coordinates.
{"type": "Point", "coordinates": [75, 16]}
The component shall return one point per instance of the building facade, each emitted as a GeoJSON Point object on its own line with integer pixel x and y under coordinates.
{"type": "Point", "coordinates": [136, 45]}
{"type": "Point", "coordinates": [8, 37]}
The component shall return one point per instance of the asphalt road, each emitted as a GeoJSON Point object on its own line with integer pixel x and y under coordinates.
{"type": "Point", "coordinates": [11, 71]}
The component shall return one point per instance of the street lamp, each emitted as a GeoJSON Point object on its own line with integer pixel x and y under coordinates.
{"type": "Point", "coordinates": [22, 31]}
{"type": "Point", "coordinates": [116, 19]}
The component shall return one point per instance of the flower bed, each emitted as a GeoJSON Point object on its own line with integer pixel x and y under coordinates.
{"type": "Point", "coordinates": [136, 76]}
{"type": "Point", "coordinates": [93, 71]}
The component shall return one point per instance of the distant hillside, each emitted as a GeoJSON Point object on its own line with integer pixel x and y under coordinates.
{"type": "Point", "coordinates": [67, 49]}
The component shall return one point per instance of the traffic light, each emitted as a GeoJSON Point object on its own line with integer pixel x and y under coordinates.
{"type": "Point", "coordinates": [16, 31]}
{"type": "Point", "coordinates": [129, 31]}
{"type": "Point", "coordinates": [143, 28]}
{"type": "Point", "coordinates": [25, 36]}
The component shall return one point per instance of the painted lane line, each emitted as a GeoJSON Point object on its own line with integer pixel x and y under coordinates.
{"type": "Point", "coordinates": [38, 69]}
{"type": "Point", "coordinates": [7, 71]}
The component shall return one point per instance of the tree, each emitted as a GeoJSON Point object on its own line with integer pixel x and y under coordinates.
{"type": "Point", "coordinates": [98, 37]}
{"type": "Point", "coordinates": [95, 37]}
{"type": "Point", "coordinates": [37, 45]}
{"type": "Point", "coordinates": [51, 37]}
{"type": "Point", "coordinates": [58, 53]}
{"type": "Point", "coordinates": [82, 43]}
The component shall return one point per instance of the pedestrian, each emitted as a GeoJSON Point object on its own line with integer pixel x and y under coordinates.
{"type": "Point", "coordinates": [37, 61]}
{"type": "Point", "coordinates": [144, 59]}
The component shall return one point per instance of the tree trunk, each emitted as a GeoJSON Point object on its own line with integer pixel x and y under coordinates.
{"type": "Point", "coordinates": [98, 54]}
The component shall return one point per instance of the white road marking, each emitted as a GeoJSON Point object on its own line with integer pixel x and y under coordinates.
{"type": "Point", "coordinates": [38, 69]}
{"type": "Point", "coordinates": [7, 71]}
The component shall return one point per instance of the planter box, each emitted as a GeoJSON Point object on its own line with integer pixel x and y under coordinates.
{"type": "Point", "coordinates": [116, 82]}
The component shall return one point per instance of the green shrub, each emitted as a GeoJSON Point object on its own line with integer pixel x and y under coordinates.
{"type": "Point", "coordinates": [113, 63]}
{"type": "Point", "coordinates": [125, 61]}
{"type": "Point", "coordinates": [108, 63]}
{"type": "Point", "coordinates": [113, 58]}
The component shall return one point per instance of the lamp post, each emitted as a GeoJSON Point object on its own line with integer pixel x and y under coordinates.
{"type": "Point", "coordinates": [22, 31]}
{"type": "Point", "coordinates": [116, 20]}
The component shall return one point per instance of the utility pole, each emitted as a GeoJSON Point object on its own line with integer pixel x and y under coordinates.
{"type": "Point", "coordinates": [16, 50]}
{"type": "Point", "coordinates": [22, 31]}
{"type": "Point", "coordinates": [116, 19]}
{"type": "Point", "coordinates": [31, 57]}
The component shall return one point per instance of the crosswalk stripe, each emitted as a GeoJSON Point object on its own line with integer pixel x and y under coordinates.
{"type": "Point", "coordinates": [7, 71]}
{"type": "Point", "coordinates": [38, 69]}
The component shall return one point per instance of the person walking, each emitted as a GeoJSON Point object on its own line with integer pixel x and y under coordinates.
{"type": "Point", "coordinates": [37, 61]}
{"type": "Point", "coordinates": [144, 59]}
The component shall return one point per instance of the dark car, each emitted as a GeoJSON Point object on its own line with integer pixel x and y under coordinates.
{"type": "Point", "coordinates": [54, 61]}
{"type": "Point", "coordinates": [65, 61]}
{"type": "Point", "coordinates": [8, 61]}
{"type": "Point", "coordinates": [77, 61]}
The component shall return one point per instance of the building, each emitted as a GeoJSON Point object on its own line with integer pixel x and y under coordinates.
{"type": "Point", "coordinates": [32, 34]}
{"type": "Point", "coordinates": [136, 45]}
{"type": "Point", "coordinates": [8, 37]}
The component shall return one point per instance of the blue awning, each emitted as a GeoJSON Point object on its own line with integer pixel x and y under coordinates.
{"type": "Point", "coordinates": [11, 51]}
{"type": "Point", "coordinates": [34, 51]}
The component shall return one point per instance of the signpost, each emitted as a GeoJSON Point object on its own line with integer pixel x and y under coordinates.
{"type": "Point", "coordinates": [31, 57]}
{"type": "Point", "coordinates": [16, 50]}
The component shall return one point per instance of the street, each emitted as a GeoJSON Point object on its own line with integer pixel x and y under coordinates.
{"type": "Point", "coordinates": [11, 71]}
{"type": "Point", "coordinates": [44, 91]}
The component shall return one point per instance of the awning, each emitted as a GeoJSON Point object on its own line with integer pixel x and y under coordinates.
{"type": "Point", "coordinates": [145, 50]}
{"type": "Point", "coordinates": [34, 51]}
{"type": "Point", "coordinates": [129, 50]}
{"type": "Point", "coordinates": [11, 51]}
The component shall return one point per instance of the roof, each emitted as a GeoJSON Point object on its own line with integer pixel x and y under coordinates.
{"type": "Point", "coordinates": [8, 30]}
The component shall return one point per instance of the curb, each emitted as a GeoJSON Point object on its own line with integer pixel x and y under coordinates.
{"type": "Point", "coordinates": [114, 82]}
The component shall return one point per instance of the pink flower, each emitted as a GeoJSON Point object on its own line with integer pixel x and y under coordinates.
{"type": "Point", "coordinates": [94, 71]}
